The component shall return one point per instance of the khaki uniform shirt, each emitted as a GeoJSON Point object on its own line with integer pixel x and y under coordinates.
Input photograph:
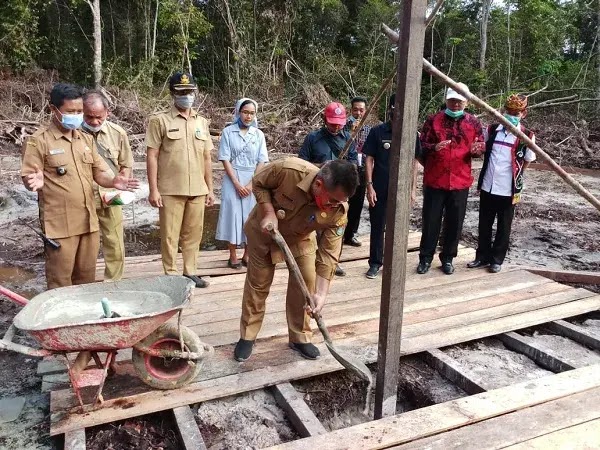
{"type": "Point", "coordinates": [182, 144]}
{"type": "Point", "coordinates": [286, 184]}
{"type": "Point", "coordinates": [66, 201]}
{"type": "Point", "coordinates": [113, 145]}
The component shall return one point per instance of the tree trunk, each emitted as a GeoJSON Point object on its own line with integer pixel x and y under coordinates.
{"type": "Point", "coordinates": [486, 8]}
{"type": "Point", "coordinates": [95, 6]}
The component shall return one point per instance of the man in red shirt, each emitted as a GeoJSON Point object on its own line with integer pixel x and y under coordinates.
{"type": "Point", "coordinates": [449, 139]}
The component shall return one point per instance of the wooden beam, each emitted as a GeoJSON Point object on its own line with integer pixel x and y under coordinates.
{"type": "Point", "coordinates": [432, 420]}
{"type": "Point", "coordinates": [298, 412]}
{"type": "Point", "coordinates": [567, 276]}
{"type": "Point", "coordinates": [75, 440]}
{"type": "Point", "coordinates": [451, 369]}
{"type": "Point", "coordinates": [188, 429]}
{"type": "Point", "coordinates": [575, 332]}
{"type": "Point", "coordinates": [584, 436]}
{"type": "Point", "coordinates": [542, 355]}
{"type": "Point", "coordinates": [519, 426]}
{"type": "Point", "coordinates": [404, 131]}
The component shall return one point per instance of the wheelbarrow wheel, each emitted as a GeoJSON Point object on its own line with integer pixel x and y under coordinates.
{"type": "Point", "coordinates": [168, 373]}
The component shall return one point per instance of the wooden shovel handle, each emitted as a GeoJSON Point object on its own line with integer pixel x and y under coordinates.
{"type": "Point", "coordinates": [292, 265]}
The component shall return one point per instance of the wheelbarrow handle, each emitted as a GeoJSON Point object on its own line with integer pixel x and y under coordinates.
{"type": "Point", "coordinates": [18, 299]}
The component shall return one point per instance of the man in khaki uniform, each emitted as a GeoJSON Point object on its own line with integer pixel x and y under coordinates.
{"type": "Point", "coordinates": [311, 199]}
{"type": "Point", "coordinates": [113, 146]}
{"type": "Point", "coordinates": [61, 164]}
{"type": "Point", "coordinates": [180, 176]}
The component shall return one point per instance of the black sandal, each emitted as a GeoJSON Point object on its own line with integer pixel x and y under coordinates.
{"type": "Point", "coordinates": [237, 265]}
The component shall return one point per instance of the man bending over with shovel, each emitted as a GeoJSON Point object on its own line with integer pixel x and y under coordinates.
{"type": "Point", "coordinates": [297, 198]}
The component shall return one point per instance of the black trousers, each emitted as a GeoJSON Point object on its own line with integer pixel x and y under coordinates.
{"type": "Point", "coordinates": [491, 207]}
{"type": "Point", "coordinates": [437, 203]}
{"type": "Point", "coordinates": [356, 203]}
{"type": "Point", "coordinates": [377, 219]}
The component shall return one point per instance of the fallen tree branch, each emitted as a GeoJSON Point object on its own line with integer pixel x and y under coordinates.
{"type": "Point", "coordinates": [538, 91]}
{"type": "Point", "coordinates": [393, 36]}
{"type": "Point", "coordinates": [578, 100]}
{"type": "Point", "coordinates": [553, 100]}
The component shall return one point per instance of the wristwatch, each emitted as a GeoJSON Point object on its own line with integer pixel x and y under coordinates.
{"type": "Point", "coordinates": [369, 182]}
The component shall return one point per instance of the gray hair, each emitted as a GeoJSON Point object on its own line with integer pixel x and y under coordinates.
{"type": "Point", "coordinates": [95, 95]}
{"type": "Point", "coordinates": [339, 173]}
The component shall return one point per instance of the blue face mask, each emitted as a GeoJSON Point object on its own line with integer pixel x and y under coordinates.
{"type": "Point", "coordinates": [454, 114]}
{"type": "Point", "coordinates": [513, 119]}
{"type": "Point", "coordinates": [184, 101]}
{"type": "Point", "coordinates": [71, 121]}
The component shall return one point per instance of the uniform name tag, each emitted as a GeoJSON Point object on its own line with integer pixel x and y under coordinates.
{"type": "Point", "coordinates": [173, 129]}
{"type": "Point", "coordinates": [57, 151]}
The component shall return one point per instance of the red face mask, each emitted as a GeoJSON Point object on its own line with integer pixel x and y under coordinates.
{"type": "Point", "coordinates": [321, 202]}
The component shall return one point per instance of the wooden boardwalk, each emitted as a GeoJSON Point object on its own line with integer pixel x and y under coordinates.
{"type": "Point", "coordinates": [550, 413]}
{"type": "Point", "coordinates": [440, 310]}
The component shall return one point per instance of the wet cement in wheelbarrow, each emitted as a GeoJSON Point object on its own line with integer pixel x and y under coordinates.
{"type": "Point", "coordinates": [83, 307]}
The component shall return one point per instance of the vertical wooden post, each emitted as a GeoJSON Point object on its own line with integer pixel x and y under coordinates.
{"type": "Point", "coordinates": [404, 133]}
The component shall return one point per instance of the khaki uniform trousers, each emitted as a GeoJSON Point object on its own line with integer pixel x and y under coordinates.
{"type": "Point", "coordinates": [256, 290]}
{"type": "Point", "coordinates": [181, 221]}
{"type": "Point", "coordinates": [74, 262]}
{"type": "Point", "coordinates": [113, 243]}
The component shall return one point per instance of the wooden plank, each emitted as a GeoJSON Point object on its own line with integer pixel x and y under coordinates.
{"type": "Point", "coordinates": [404, 123]}
{"type": "Point", "coordinates": [451, 369]}
{"type": "Point", "coordinates": [567, 276]}
{"type": "Point", "coordinates": [537, 351]}
{"type": "Point", "coordinates": [188, 429]}
{"type": "Point", "coordinates": [65, 414]}
{"type": "Point", "coordinates": [298, 412]}
{"type": "Point", "coordinates": [75, 440]}
{"type": "Point", "coordinates": [435, 419]}
{"type": "Point", "coordinates": [516, 427]}
{"type": "Point", "coordinates": [575, 332]}
{"type": "Point", "coordinates": [582, 436]}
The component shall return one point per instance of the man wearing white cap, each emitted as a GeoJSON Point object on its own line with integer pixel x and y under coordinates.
{"type": "Point", "coordinates": [449, 139]}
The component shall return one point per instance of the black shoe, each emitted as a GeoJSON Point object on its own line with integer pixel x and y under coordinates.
{"type": "Point", "coordinates": [308, 351]}
{"type": "Point", "coordinates": [477, 263]}
{"type": "Point", "coordinates": [243, 350]}
{"type": "Point", "coordinates": [423, 267]}
{"type": "Point", "coordinates": [448, 268]}
{"type": "Point", "coordinates": [237, 265]}
{"type": "Point", "coordinates": [495, 268]}
{"type": "Point", "coordinates": [339, 271]}
{"type": "Point", "coordinates": [200, 283]}
{"type": "Point", "coordinates": [373, 272]}
{"type": "Point", "coordinates": [353, 241]}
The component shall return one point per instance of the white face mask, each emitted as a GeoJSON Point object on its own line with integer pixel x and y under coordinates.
{"type": "Point", "coordinates": [91, 128]}
{"type": "Point", "coordinates": [184, 101]}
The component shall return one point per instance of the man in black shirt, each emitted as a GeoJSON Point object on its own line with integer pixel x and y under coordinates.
{"type": "Point", "coordinates": [377, 150]}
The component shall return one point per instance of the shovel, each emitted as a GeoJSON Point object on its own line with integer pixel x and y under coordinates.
{"type": "Point", "coordinates": [348, 362]}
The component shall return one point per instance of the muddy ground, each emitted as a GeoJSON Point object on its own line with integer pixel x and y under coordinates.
{"type": "Point", "coordinates": [554, 227]}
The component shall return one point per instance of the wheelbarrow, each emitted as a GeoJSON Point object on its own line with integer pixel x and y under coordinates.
{"type": "Point", "coordinates": [102, 318]}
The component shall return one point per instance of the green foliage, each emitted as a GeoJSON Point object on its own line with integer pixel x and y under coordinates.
{"type": "Point", "coordinates": [307, 49]}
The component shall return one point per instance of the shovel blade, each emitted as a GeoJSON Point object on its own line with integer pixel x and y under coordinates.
{"type": "Point", "coordinates": [350, 363]}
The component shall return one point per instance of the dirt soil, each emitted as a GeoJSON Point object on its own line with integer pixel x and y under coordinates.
{"type": "Point", "coordinates": [247, 421]}
{"type": "Point", "coordinates": [151, 432]}
{"type": "Point", "coordinates": [554, 227]}
{"type": "Point", "coordinates": [569, 350]}
{"type": "Point", "coordinates": [338, 399]}
{"type": "Point", "coordinates": [494, 364]}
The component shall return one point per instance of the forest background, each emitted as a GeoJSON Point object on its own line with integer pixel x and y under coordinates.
{"type": "Point", "coordinates": [294, 56]}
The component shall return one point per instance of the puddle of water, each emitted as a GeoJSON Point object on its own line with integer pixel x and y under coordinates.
{"type": "Point", "coordinates": [15, 277]}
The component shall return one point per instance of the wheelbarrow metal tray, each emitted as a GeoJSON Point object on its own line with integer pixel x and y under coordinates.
{"type": "Point", "coordinates": [72, 319]}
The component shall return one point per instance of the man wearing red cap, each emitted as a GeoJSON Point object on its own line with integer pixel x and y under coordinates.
{"type": "Point", "coordinates": [328, 142]}
{"type": "Point", "coordinates": [500, 184]}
